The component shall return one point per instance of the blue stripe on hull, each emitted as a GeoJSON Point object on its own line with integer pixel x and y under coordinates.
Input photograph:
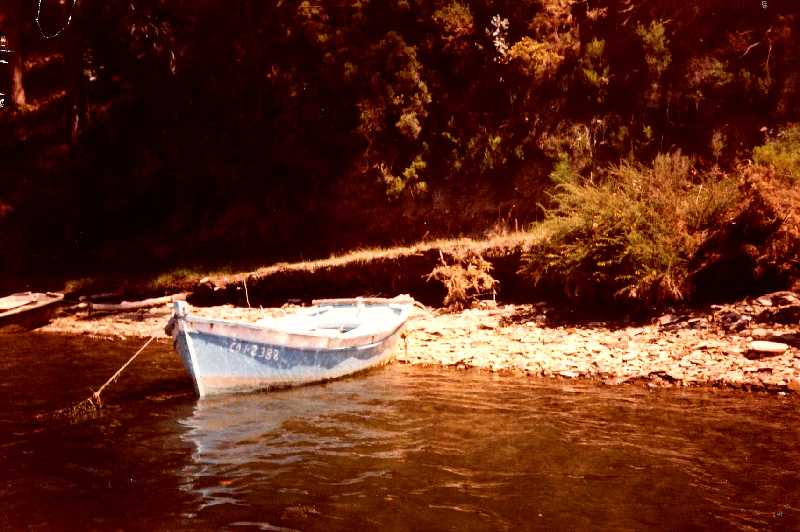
{"type": "Point", "coordinates": [220, 364]}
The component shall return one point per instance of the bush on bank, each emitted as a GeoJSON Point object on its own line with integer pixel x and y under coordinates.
{"type": "Point", "coordinates": [628, 237]}
{"type": "Point", "coordinates": [782, 152]}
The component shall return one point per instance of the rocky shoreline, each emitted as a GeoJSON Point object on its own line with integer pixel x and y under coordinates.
{"type": "Point", "coordinates": [750, 345]}
{"type": "Point", "coordinates": [724, 347]}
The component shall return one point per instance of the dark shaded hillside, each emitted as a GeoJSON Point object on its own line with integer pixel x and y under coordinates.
{"type": "Point", "coordinates": [168, 131]}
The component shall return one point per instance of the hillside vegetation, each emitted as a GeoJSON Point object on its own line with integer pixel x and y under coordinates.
{"type": "Point", "coordinates": [649, 145]}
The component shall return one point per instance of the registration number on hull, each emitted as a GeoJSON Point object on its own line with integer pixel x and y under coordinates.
{"type": "Point", "coordinates": [264, 352]}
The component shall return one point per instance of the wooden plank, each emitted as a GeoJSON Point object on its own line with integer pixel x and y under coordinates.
{"type": "Point", "coordinates": [134, 305]}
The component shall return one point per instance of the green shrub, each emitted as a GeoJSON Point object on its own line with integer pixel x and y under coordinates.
{"type": "Point", "coordinates": [570, 140]}
{"type": "Point", "coordinates": [409, 182]}
{"type": "Point", "coordinates": [562, 171]}
{"type": "Point", "coordinates": [782, 152]}
{"type": "Point", "coordinates": [537, 60]}
{"type": "Point", "coordinates": [656, 46]}
{"type": "Point", "coordinates": [658, 57]}
{"type": "Point", "coordinates": [629, 238]}
{"type": "Point", "coordinates": [718, 143]}
{"type": "Point", "coordinates": [595, 69]}
{"type": "Point", "coordinates": [455, 22]}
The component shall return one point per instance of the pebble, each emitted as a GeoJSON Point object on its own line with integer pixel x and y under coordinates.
{"type": "Point", "coordinates": [764, 301]}
{"type": "Point", "coordinates": [766, 348]}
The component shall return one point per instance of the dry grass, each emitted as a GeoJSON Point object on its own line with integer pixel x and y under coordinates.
{"type": "Point", "coordinates": [374, 271]}
{"type": "Point", "coordinates": [455, 246]}
{"type": "Point", "coordinates": [465, 280]}
{"type": "Point", "coordinates": [365, 261]}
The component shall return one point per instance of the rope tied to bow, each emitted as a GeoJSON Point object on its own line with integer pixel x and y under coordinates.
{"type": "Point", "coordinates": [92, 404]}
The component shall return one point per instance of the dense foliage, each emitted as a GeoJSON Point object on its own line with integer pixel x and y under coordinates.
{"type": "Point", "coordinates": [632, 237]}
{"type": "Point", "coordinates": [782, 152]}
{"type": "Point", "coordinates": [161, 129]}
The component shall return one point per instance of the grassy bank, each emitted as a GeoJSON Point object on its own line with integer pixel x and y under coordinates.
{"type": "Point", "coordinates": [374, 271]}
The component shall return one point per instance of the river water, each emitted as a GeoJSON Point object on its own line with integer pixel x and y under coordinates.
{"type": "Point", "coordinates": [400, 448]}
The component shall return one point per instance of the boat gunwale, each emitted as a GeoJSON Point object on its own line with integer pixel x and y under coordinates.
{"type": "Point", "coordinates": [275, 336]}
{"type": "Point", "coordinates": [52, 299]}
{"type": "Point", "coordinates": [31, 315]}
{"type": "Point", "coordinates": [364, 345]}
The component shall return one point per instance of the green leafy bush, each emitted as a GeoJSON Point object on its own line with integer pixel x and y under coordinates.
{"type": "Point", "coordinates": [658, 57]}
{"type": "Point", "coordinates": [656, 46]}
{"type": "Point", "coordinates": [595, 69]}
{"type": "Point", "coordinates": [718, 143]}
{"type": "Point", "coordinates": [410, 181]}
{"type": "Point", "coordinates": [782, 152]}
{"type": "Point", "coordinates": [456, 24]}
{"type": "Point", "coordinates": [573, 140]}
{"type": "Point", "coordinates": [629, 238]}
{"type": "Point", "coordinates": [536, 60]}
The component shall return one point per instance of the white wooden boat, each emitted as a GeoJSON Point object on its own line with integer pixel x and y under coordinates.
{"type": "Point", "coordinates": [331, 339]}
{"type": "Point", "coordinates": [27, 310]}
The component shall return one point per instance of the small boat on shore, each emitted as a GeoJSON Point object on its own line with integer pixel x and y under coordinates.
{"type": "Point", "coordinates": [27, 310]}
{"type": "Point", "coordinates": [332, 339]}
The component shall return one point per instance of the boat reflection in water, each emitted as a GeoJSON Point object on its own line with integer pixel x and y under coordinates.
{"type": "Point", "coordinates": [425, 449]}
{"type": "Point", "coordinates": [399, 448]}
{"type": "Point", "coordinates": [290, 442]}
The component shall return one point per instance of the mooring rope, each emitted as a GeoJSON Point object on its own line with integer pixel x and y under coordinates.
{"type": "Point", "coordinates": [96, 395]}
{"type": "Point", "coordinates": [93, 403]}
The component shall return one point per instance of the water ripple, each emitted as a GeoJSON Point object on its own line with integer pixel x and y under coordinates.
{"type": "Point", "coordinates": [401, 448]}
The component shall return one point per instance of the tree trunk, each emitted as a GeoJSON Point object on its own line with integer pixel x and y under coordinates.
{"type": "Point", "coordinates": [13, 24]}
{"type": "Point", "coordinates": [77, 97]}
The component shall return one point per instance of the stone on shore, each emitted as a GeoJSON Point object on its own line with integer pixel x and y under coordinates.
{"type": "Point", "coordinates": [763, 348]}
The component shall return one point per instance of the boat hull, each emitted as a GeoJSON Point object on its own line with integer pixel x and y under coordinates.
{"type": "Point", "coordinates": [36, 313]}
{"type": "Point", "coordinates": [237, 361]}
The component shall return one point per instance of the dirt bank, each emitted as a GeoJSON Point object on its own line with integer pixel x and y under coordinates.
{"type": "Point", "coordinates": [750, 345]}
{"type": "Point", "coordinates": [375, 271]}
